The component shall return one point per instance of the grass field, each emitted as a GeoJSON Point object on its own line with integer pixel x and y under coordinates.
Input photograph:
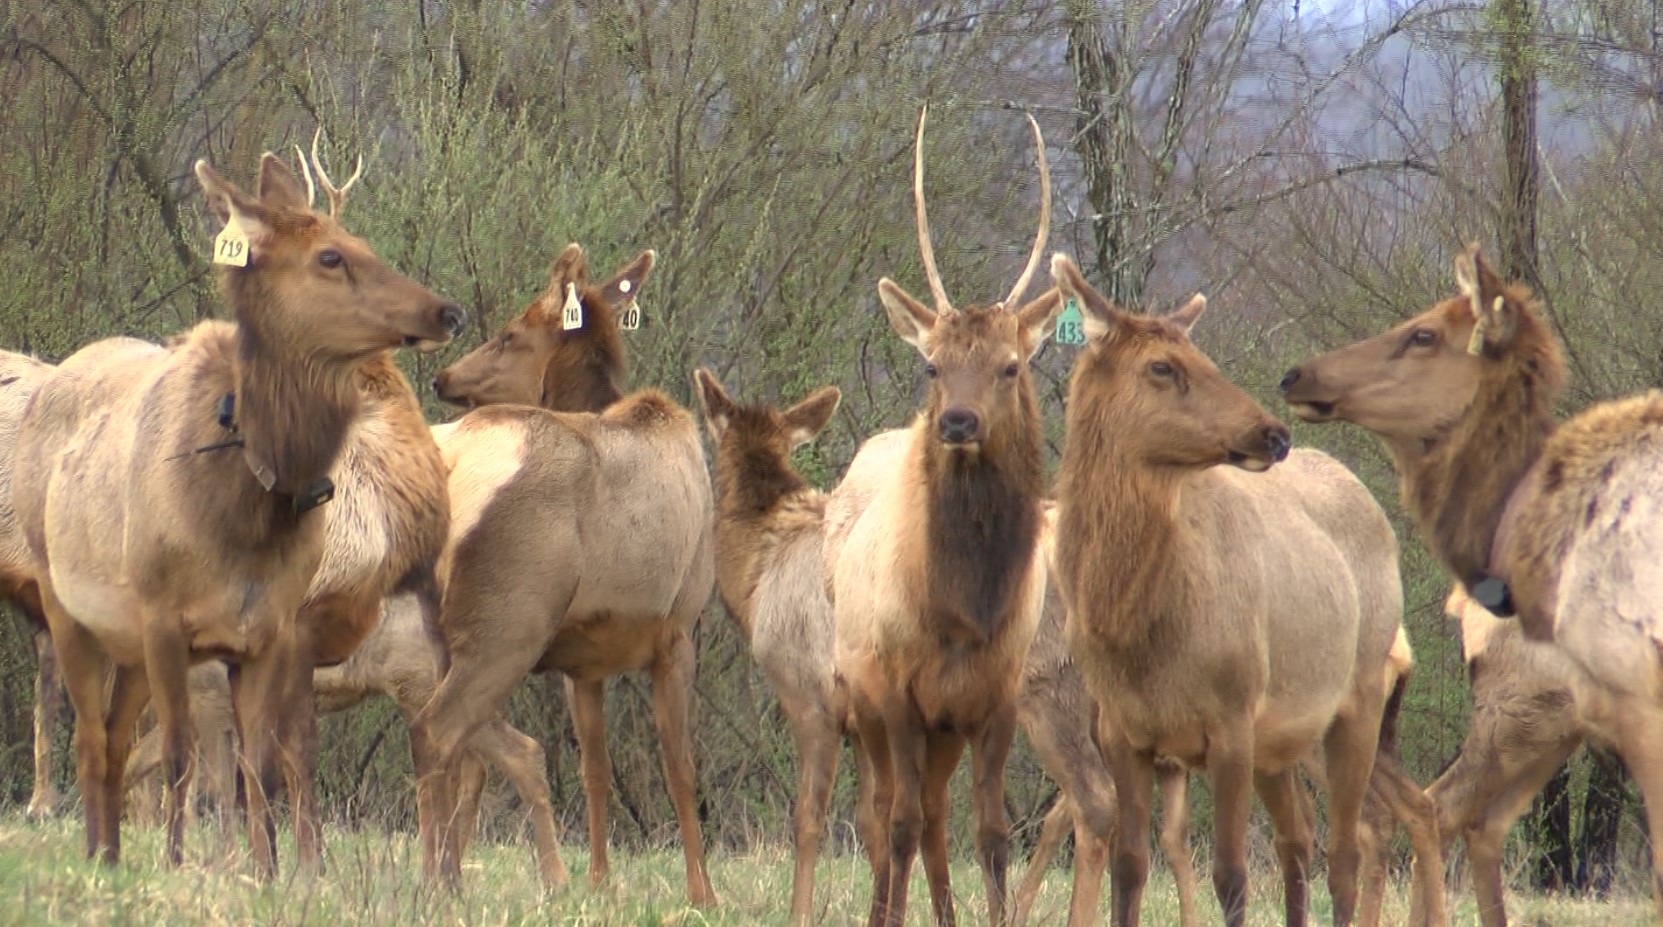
{"type": "Point", "coordinates": [373, 879]}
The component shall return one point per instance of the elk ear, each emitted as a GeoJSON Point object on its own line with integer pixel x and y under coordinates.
{"type": "Point", "coordinates": [1494, 314]}
{"type": "Point", "coordinates": [714, 402]}
{"type": "Point", "coordinates": [808, 418]}
{"type": "Point", "coordinates": [911, 319]}
{"type": "Point", "coordinates": [278, 187]}
{"type": "Point", "coordinates": [570, 266]}
{"type": "Point", "coordinates": [625, 285]}
{"type": "Point", "coordinates": [1185, 318]}
{"type": "Point", "coordinates": [235, 208]}
{"type": "Point", "coordinates": [1038, 319]}
{"type": "Point", "coordinates": [1099, 318]}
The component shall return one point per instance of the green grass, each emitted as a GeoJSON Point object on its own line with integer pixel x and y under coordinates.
{"type": "Point", "coordinates": [373, 878]}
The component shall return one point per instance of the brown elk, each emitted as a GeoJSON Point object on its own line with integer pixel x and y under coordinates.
{"type": "Point", "coordinates": [770, 573]}
{"type": "Point", "coordinates": [938, 582]}
{"type": "Point", "coordinates": [1229, 617]}
{"type": "Point", "coordinates": [1523, 512]}
{"type": "Point", "coordinates": [558, 560]}
{"type": "Point", "coordinates": [20, 376]}
{"type": "Point", "coordinates": [169, 495]}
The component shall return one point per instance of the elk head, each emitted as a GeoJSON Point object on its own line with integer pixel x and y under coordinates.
{"type": "Point", "coordinates": [977, 359]}
{"type": "Point", "coordinates": [537, 360]}
{"type": "Point", "coordinates": [306, 282]}
{"type": "Point", "coordinates": [754, 442]}
{"type": "Point", "coordinates": [1415, 380]}
{"type": "Point", "coordinates": [1141, 380]}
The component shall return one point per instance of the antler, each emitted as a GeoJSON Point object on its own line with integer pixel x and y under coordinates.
{"type": "Point", "coordinates": [306, 172]}
{"type": "Point", "coordinates": [337, 195]}
{"type": "Point", "coordinates": [1044, 221]}
{"type": "Point", "coordinates": [934, 276]}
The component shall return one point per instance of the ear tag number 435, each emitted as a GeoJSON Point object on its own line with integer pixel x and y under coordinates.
{"type": "Point", "coordinates": [1071, 325]}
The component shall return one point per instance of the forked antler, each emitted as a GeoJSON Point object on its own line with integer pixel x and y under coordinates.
{"type": "Point", "coordinates": [337, 195]}
{"type": "Point", "coordinates": [1044, 222]}
{"type": "Point", "coordinates": [938, 291]}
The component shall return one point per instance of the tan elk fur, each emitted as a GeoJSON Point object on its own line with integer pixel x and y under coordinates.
{"type": "Point", "coordinates": [938, 581]}
{"type": "Point", "coordinates": [20, 376]}
{"type": "Point", "coordinates": [1462, 395]}
{"type": "Point", "coordinates": [214, 557]}
{"type": "Point", "coordinates": [1231, 620]}
{"type": "Point", "coordinates": [580, 543]}
{"type": "Point", "coordinates": [770, 573]}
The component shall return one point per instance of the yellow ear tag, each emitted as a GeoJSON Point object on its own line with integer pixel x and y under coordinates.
{"type": "Point", "coordinates": [231, 245]}
{"type": "Point", "coordinates": [571, 315]}
{"type": "Point", "coordinates": [1475, 343]}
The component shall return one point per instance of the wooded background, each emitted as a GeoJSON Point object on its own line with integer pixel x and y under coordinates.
{"type": "Point", "coordinates": [1311, 166]}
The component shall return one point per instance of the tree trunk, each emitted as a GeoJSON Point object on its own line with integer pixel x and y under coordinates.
{"type": "Point", "coordinates": [1104, 145]}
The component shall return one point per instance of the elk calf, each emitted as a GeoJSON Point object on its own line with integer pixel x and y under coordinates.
{"type": "Point", "coordinates": [1226, 617]}
{"type": "Point", "coordinates": [169, 495]}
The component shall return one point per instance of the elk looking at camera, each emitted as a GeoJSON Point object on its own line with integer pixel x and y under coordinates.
{"type": "Point", "coordinates": [1561, 524]}
{"type": "Point", "coordinates": [938, 581]}
{"type": "Point", "coordinates": [558, 561]}
{"type": "Point", "coordinates": [170, 525]}
{"type": "Point", "coordinates": [1229, 617]}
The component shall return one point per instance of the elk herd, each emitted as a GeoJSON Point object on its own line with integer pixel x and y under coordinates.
{"type": "Point", "coordinates": [253, 522]}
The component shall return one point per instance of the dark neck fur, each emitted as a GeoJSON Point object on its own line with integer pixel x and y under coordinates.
{"type": "Point", "coordinates": [751, 480]}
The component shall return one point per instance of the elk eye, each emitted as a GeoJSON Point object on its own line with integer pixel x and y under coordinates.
{"type": "Point", "coordinates": [1161, 369]}
{"type": "Point", "coordinates": [930, 371]}
{"type": "Point", "coordinates": [1423, 337]}
{"type": "Point", "coordinates": [507, 338]}
{"type": "Point", "coordinates": [330, 258]}
{"type": "Point", "coordinates": [1012, 371]}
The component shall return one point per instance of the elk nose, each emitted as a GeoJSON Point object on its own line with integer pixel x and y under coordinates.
{"type": "Point", "coordinates": [1277, 441]}
{"type": "Point", "coordinates": [439, 383]}
{"type": "Point", "coordinates": [452, 318]}
{"type": "Point", "coordinates": [1289, 379]}
{"type": "Point", "coordinates": [958, 426]}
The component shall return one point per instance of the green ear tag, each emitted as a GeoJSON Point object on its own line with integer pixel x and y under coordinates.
{"type": "Point", "coordinates": [1071, 325]}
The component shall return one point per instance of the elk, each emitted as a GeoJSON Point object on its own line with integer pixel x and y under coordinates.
{"type": "Point", "coordinates": [170, 495]}
{"type": "Point", "coordinates": [20, 376]}
{"type": "Point", "coordinates": [558, 560]}
{"type": "Point", "coordinates": [1226, 614]}
{"type": "Point", "coordinates": [938, 581]}
{"type": "Point", "coordinates": [1557, 523]}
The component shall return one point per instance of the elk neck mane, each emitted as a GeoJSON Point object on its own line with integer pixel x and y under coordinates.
{"type": "Point", "coordinates": [752, 480]}
{"type": "Point", "coordinates": [293, 411]}
{"type": "Point", "coordinates": [587, 369]}
{"type": "Point", "coordinates": [1458, 489]}
{"type": "Point", "coordinates": [981, 517]}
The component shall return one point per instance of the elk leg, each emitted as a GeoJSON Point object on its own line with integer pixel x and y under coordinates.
{"type": "Point", "coordinates": [128, 696]}
{"type": "Point", "coordinates": [1134, 784]}
{"type": "Point", "coordinates": [261, 686]}
{"type": "Point", "coordinates": [1348, 751]}
{"type": "Point", "coordinates": [1067, 749]}
{"type": "Point", "coordinates": [907, 749]}
{"type": "Point", "coordinates": [1638, 741]}
{"type": "Point", "coordinates": [85, 668]}
{"type": "Point", "coordinates": [941, 756]}
{"type": "Point", "coordinates": [588, 700]}
{"type": "Point", "coordinates": [1280, 793]}
{"type": "Point", "coordinates": [521, 759]}
{"type": "Point", "coordinates": [988, 754]}
{"type": "Point", "coordinates": [1052, 830]}
{"type": "Point", "coordinates": [1231, 765]}
{"type": "Point", "coordinates": [470, 788]}
{"type": "Point", "coordinates": [49, 698]}
{"type": "Point", "coordinates": [167, 662]}
{"type": "Point", "coordinates": [815, 731]}
{"type": "Point", "coordinates": [672, 696]}
{"type": "Point", "coordinates": [1175, 825]}
{"type": "Point", "coordinates": [872, 809]}
{"type": "Point", "coordinates": [1414, 809]}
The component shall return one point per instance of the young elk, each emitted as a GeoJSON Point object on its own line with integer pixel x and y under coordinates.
{"type": "Point", "coordinates": [20, 376]}
{"type": "Point", "coordinates": [170, 495]}
{"type": "Point", "coordinates": [938, 583]}
{"type": "Point", "coordinates": [1228, 618]}
{"type": "Point", "coordinates": [1560, 524]}
{"type": "Point", "coordinates": [770, 573]}
{"type": "Point", "coordinates": [559, 560]}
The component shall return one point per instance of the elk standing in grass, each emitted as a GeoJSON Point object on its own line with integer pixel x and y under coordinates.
{"type": "Point", "coordinates": [938, 582]}
{"type": "Point", "coordinates": [771, 575]}
{"type": "Point", "coordinates": [561, 557]}
{"type": "Point", "coordinates": [169, 524]}
{"type": "Point", "coordinates": [1560, 523]}
{"type": "Point", "coordinates": [1228, 619]}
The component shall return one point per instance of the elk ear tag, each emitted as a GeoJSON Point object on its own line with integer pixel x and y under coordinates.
{"type": "Point", "coordinates": [231, 244]}
{"type": "Point", "coordinates": [571, 314]}
{"type": "Point", "coordinates": [630, 320]}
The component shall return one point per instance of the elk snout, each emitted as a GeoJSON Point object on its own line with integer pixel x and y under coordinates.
{"type": "Point", "coordinates": [1288, 380]}
{"type": "Point", "coordinates": [452, 318]}
{"type": "Point", "coordinates": [959, 425]}
{"type": "Point", "coordinates": [1278, 441]}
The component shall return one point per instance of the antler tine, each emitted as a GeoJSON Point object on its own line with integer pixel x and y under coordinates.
{"type": "Point", "coordinates": [936, 289]}
{"type": "Point", "coordinates": [1044, 220]}
{"type": "Point", "coordinates": [337, 195]}
{"type": "Point", "coordinates": [306, 172]}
